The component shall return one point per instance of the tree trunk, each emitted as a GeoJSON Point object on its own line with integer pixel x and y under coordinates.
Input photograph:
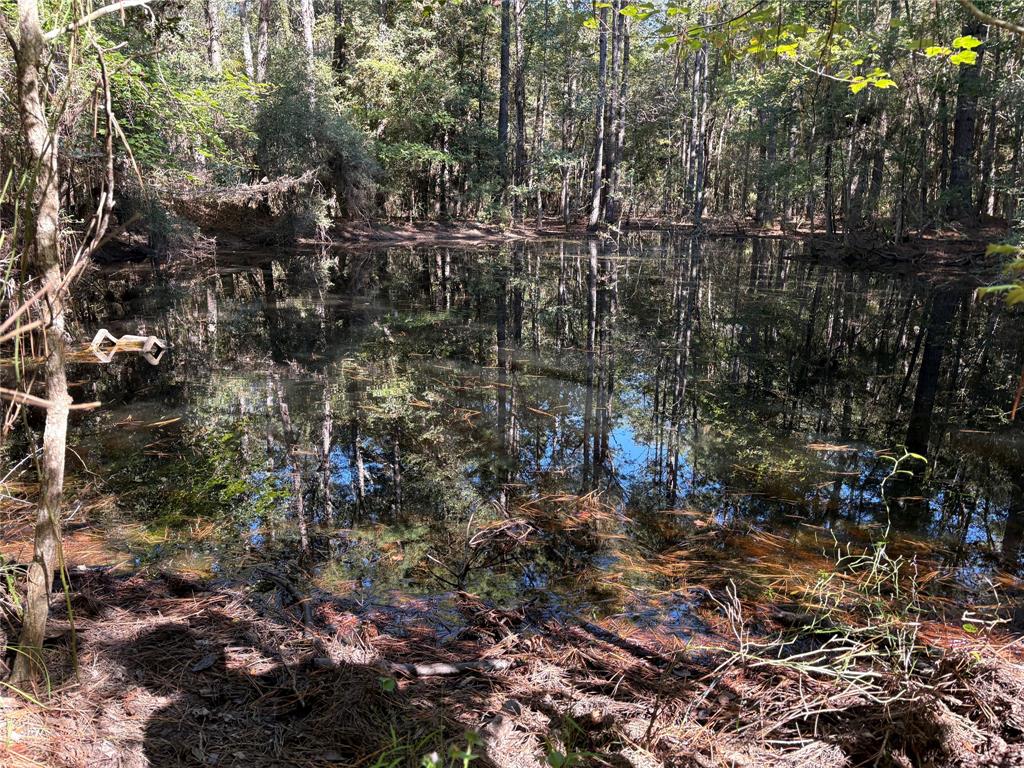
{"type": "Point", "coordinates": [503, 93]}
{"type": "Point", "coordinates": [961, 175]}
{"type": "Point", "coordinates": [263, 40]}
{"type": "Point", "coordinates": [613, 204]}
{"type": "Point", "coordinates": [986, 197]}
{"type": "Point", "coordinates": [243, 20]}
{"type": "Point", "coordinates": [602, 85]}
{"type": "Point", "coordinates": [213, 38]}
{"type": "Point", "coordinates": [539, 119]}
{"type": "Point", "coordinates": [519, 166]}
{"type": "Point", "coordinates": [44, 262]}
{"type": "Point", "coordinates": [700, 142]}
{"type": "Point", "coordinates": [339, 57]}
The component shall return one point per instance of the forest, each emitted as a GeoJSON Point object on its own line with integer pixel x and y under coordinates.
{"type": "Point", "coordinates": [511, 383]}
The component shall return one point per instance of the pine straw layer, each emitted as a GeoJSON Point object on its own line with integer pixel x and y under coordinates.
{"type": "Point", "coordinates": [174, 672]}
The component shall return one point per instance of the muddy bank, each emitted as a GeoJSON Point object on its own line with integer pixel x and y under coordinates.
{"type": "Point", "coordinates": [271, 671]}
{"type": "Point", "coordinates": [274, 214]}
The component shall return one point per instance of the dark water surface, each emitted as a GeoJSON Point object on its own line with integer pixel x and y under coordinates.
{"type": "Point", "coordinates": [549, 419]}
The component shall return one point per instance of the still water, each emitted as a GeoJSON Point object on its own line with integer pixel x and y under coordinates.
{"type": "Point", "coordinates": [567, 420]}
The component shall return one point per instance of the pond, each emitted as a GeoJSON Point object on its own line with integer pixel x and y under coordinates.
{"type": "Point", "coordinates": [563, 421]}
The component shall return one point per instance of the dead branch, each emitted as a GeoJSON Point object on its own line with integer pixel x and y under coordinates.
{"type": "Point", "coordinates": [99, 13]}
{"type": "Point", "coordinates": [24, 398]}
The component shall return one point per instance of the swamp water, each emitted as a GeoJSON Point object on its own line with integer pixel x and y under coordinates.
{"type": "Point", "coordinates": [578, 424]}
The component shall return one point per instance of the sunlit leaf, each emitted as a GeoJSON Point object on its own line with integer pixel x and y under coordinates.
{"type": "Point", "coordinates": [966, 41]}
{"type": "Point", "coordinates": [1001, 249]}
{"type": "Point", "coordinates": [964, 57]}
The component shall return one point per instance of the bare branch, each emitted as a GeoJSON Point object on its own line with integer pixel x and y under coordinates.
{"type": "Point", "coordinates": [24, 398]}
{"type": "Point", "coordinates": [1017, 29]}
{"type": "Point", "coordinates": [97, 14]}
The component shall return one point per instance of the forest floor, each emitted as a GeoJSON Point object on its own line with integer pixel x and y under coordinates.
{"type": "Point", "coordinates": [268, 669]}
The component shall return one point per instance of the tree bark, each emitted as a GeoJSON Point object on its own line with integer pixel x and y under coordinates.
{"type": "Point", "coordinates": [213, 35]}
{"type": "Point", "coordinates": [503, 93]}
{"type": "Point", "coordinates": [243, 21]}
{"type": "Point", "coordinates": [44, 262]}
{"type": "Point", "coordinates": [539, 120]}
{"type": "Point", "coordinates": [339, 56]}
{"type": "Point", "coordinates": [263, 40]}
{"type": "Point", "coordinates": [602, 88]}
{"type": "Point", "coordinates": [519, 157]}
{"type": "Point", "coordinates": [961, 175]}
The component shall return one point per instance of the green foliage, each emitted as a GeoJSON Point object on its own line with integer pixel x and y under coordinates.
{"type": "Point", "coordinates": [182, 123]}
{"type": "Point", "coordinates": [300, 127]}
{"type": "Point", "coordinates": [1011, 292]}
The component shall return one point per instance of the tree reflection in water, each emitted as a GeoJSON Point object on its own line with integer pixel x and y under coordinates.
{"type": "Point", "coordinates": [608, 399]}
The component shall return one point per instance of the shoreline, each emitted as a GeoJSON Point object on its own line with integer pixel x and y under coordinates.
{"type": "Point", "coordinates": [269, 669]}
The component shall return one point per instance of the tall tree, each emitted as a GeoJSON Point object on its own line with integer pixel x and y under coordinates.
{"type": "Point", "coordinates": [596, 186]}
{"type": "Point", "coordinates": [965, 118]}
{"type": "Point", "coordinates": [503, 90]}
{"type": "Point", "coordinates": [263, 39]}
{"type": "Point", "coordinates": [339, 53]}
{"type": "Point", "coordinates": [243, 21]}
{"type": "Point", "coordinates": [213, 46]}
{"type": "Point", "coordinates": [33, 56]}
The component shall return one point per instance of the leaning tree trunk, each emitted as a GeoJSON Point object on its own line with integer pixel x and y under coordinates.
{"type": "Point", "coordinates": [44, 262]}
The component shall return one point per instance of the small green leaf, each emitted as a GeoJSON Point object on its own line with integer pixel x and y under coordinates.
{"type": "Point", "coordinates": [964, 57]}
{"type": "Point", "coordinates": [858, 86]}
{"type": "Point", "coordinates": [919, 43]}
{"type": "Point", "coordinates": [1001, 249]}
{"type": "Point", "coordinates": [967, 41]}
{"type": "Point", "coordinates": [388, 684]}
{"type": "Point", "coordinates": [971, 628]}
{"type": "Point", "coordinates": [985, 291]}
{"type": "Point", "coordinates": [936, 50]}
{"type": "Point", "coordinates": [884, 83]}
